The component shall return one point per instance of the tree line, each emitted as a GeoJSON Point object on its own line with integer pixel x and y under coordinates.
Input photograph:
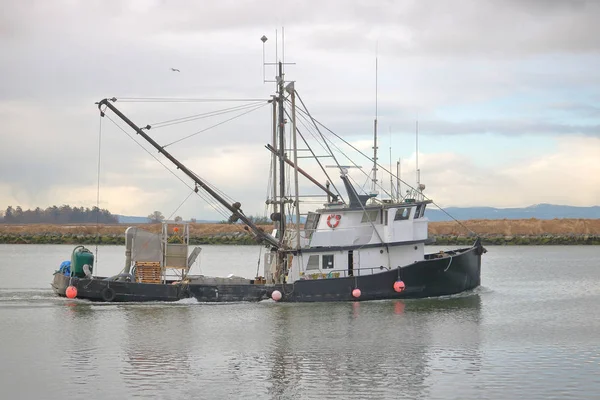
{"type": "Point", "coordinates": [58, 215]}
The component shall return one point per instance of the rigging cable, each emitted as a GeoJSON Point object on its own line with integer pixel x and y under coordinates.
{"type": "Point", "coordinates": [181, 120]}
{"type": "Point", "coordinates": [214, 126]}
{"type": "Point", "coordinates": [349, 159]}
{"type": "Point", "coordinates": [178, 100]}
{"type": "Point", "coordinates": [315, 156]}
{"type": "Point", "coordinates": [98, 193]}
{"type": "Point", "coordinates": [167, 168]}
{"type": "Point", "coordinates": [188, 196]}
{"type": "Point", "coordinates": [410, 186]}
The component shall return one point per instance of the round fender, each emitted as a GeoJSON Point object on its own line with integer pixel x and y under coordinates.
{"type": "Point", "coordinates": [108, 294]}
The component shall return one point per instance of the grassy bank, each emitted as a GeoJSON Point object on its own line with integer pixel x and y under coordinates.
{"type": "Point", "coordinates": [493, 232]}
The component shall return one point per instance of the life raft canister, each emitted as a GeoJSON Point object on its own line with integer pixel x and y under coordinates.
{"type": "Point", "coordinates": [333, 220]}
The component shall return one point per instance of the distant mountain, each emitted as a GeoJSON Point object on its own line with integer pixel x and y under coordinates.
{"type": "Point", "coordinates": [124, 219]}
{"type": "Point", "coordinates": [539, 211]}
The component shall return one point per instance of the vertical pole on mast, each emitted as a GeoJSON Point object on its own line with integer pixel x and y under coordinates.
{"type": "Point", "coordinates": [417, 158]}
{"type": "Point", "coordinates": [274, 160]}
{"type": "Point", "coordinates": [294, 134]}
{"type": "Point", "coordinates": [375, 135]}
{"type": "Point", "coordinates": [280, 98]}
{"type": "Point", "coordinates": [391, 177]}
{"type": "Point", "coordinates": [398, 186]}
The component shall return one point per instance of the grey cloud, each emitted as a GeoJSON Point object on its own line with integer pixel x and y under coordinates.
{"type": "Point", "coordinates": [62, 56]}
{"type": "Point", "coordinates": [480, 28]}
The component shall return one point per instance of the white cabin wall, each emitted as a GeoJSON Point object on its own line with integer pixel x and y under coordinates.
{"type": "Point", "coordinates": [350, 230]}
{"type": "Point", "coordinates": [420, 229]}
{"type": "Point", "coordinates": [405, 255]}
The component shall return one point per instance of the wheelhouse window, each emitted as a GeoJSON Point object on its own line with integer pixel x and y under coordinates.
{"type": "Point", "coordinates": [328, 261]}
{"type": "Point", "coordinates": [402, 213]}
{"type": "Point", "coordinates": [420, 211]}
{"type": "Point", "coordinates": [313, 263]}
{"type": "Point", "coordinates": [370, 216]}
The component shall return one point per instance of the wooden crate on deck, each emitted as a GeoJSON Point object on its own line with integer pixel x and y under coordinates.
{"type": "Point", "coordinates": [148, 272]}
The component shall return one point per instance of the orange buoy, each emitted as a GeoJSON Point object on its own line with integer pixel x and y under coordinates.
{"type": "Point", "coordinates": [71, 292]}
{"type": "Point", "coordinates": [276, 295]}
{"type": "Point", "coordinates": [356, 293]}
{"type": "Point", "coordinates": [399, 286]}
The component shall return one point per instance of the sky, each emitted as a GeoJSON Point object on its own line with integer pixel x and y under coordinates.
{"type": "Point", "coordinates": [506, 94]}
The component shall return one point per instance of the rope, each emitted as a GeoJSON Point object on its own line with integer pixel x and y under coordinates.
{"type": "Point", "coordinates": [258, 262]}
{"type": "Point", "coordinates": [98, 194]}
{"type": "Point", "coordinates": [448, 264]}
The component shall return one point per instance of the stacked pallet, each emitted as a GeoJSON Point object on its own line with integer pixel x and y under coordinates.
{"type": "Point", "coordinates": [148, 272]}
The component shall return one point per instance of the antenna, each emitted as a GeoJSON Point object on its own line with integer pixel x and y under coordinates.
{"type": "Point", "coordinates": [417, 154]}
{"type": "Point", "coordinates": [391, 178]}
{"type": "Point", "coordinates": [276, 62]}
{"type": "Point", "coordinates": [398, 180]}
{"type": "Point", "coordinates": [374, 191]}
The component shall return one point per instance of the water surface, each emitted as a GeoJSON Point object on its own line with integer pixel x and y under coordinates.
{"type": "Point", "coordinates": [531, 331]}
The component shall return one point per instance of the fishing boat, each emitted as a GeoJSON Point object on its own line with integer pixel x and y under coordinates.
{"type": "Point", "coordinates": [354, 247]}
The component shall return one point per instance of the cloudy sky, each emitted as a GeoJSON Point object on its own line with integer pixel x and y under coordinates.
{"type": "Point", "coordinates": [507, 94]}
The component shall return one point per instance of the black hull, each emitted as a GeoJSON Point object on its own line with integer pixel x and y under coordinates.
{"type": "Point", "coordinates": [451, 274]}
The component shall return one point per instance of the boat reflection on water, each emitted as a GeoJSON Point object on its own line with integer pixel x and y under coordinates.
{"type": "Point", "coordinates": [388, 349]}
{"type": "Point", "coordinates": [155, 354]}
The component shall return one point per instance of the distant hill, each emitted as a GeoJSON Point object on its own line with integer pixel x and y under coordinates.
{"type": "Point", "coordinates": [539, 211]}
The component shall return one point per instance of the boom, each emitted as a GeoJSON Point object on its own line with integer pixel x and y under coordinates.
{"type": "Point", "coordinates": [234, 208]}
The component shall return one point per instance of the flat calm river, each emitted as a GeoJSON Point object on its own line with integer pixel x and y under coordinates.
{"type": "Point", "coordinates": [532, 331]}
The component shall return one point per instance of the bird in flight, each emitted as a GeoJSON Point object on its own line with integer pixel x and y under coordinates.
{"type": "Point", "coordinates": [175, 70]}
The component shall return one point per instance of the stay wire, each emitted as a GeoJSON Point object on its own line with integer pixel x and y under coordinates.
{"type": "Point", "coordinates": [167, 168]}
{"type": "Point", "coordinates": [98, 193]}
{"type": "Point", "coordinates": [179, 100]}
{"type": "Point", "coordinates": [195, 117]}
{"type": "Point", "coordinates": [385, 169]}
{"type": "Point", "coordinates": [214, 126]}
{"type": "Point", "coordinates": [313, 154]}
{"type": "Point", "coordinates": [351, 161]}
{"type": "Point", "coordinates": [178, 207]}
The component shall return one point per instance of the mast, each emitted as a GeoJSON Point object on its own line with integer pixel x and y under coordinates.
{"type": "Point", "coordinates": [398, 186]}
{"type": "Point", "coordinates": [391, 177]}
{"type": "Point", "coordinates": [234, 208]}
{"type": "Point", "coordinates": [274, 159]}
{"type": "Point", "coordinates": [295, 146]}
{"type": "Point", "coordinates": [417, 158]}
{"type": "Point", "coordinates": [375, 135]}
{"type": "Point", "coordinates": [280, 99]}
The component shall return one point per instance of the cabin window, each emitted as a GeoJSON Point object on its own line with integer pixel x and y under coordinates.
{"type": "Point", "coordinates": [312, 220]}
{"type": "Point", "coordinates": [422, 210]}
{"type": "Point", "coordinates": [328, 261]}
{"type": "Point", "coordinates": [369, 216]}
{"type": "Point", "coordinates": [313, 262]}
{"type": "Point", "coordinates": [402, 214]}
{"type": "Point", "coordinates": [418, 212]}
{"type": "Point", "coordinates": [385, 217]}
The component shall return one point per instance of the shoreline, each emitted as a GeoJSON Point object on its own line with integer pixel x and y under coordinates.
{"type": "Point", "coordinates": [492, 232]}
{"type": "Point", "coordinates": [248, 240]}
